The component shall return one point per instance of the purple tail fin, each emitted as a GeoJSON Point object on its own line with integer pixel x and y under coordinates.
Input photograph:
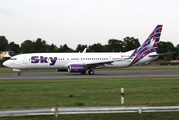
{"type": "Point", "coordinates": [152, 41]}
{"type": "Point", "coordinates": [133, 54]}
{"type": "Point", "coordinates": [149, 46]}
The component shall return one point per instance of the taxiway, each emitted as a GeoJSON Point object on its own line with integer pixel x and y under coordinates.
{"type": "Point", "coordinates": [98, 74]}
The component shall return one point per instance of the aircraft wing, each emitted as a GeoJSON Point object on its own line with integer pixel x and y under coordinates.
{"type": "Point", "coordinates": [96, 64]}
{"type": "Point", "coordinates": [160, 54]}
{"type": "Point", "coordinates": [107, 62]}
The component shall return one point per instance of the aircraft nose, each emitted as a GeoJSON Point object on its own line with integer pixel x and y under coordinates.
{"type": "Point", "coordinates": [5, 63]}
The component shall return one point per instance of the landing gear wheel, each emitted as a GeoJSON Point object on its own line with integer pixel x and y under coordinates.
{"type": "Point", "coordinates": [91, 72]}
{"type": "Point", "coordinates": [19, 73]}
{"type": "Point", "coordinates": [83, 73]}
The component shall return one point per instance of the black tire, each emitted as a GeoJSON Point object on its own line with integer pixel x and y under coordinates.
{"type": "Point", "coordinates": [19, 73]}
{"type": "Point", "coordinates": [91, 72]}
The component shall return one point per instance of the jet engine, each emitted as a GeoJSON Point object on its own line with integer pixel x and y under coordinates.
{"type": "Point", "coordinates": [76, 68]}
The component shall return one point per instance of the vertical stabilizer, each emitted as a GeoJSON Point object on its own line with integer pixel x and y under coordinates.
{"type": "Point", "coordinates": [149, 46]}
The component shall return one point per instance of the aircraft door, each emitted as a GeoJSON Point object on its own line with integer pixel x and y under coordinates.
{"type": "Point", "coordinates": [24, 59]}
{"type": "Point", "coordinates": [79, 59]}
{"type": "Point", "coordinates": [110, 58]}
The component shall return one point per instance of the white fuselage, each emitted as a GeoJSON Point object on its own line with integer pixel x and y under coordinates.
{"type": "Point", "coordinates": [80, 62]}
{"type": "Point", "coordinates": [62, 60]}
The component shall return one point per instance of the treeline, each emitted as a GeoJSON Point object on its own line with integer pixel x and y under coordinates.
{"type": "Point", "coordinates": [113, 45]}
{"type": "Point", "coordinates": [29, 46]}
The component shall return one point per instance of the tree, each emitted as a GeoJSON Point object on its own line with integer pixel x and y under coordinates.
{"type": "Point", "coordinates": [130, 43]}
{"type": "Point", "coordinates": [40, 45]}
{"type": "Point", "coordinates": [13, 47]}
{"type": "Point", "coordinates": [3, 43]}
{"type": "Point", "coordinates": [81, 47]}
{"type": "Point", "coordinates": [27, 46]}
{"type": "Point", "coordinates": [177, 52]}
{"type": "Point", "coordinates": [115, 45]}
{"type": "Point", "coordinates": [96, 48]}
{"type": "Point", "coordinates": [165, 47]}
{"type": "Point", "coordinates": [64, 48]}
{"type": "Point", "coordinates": [52, 48]}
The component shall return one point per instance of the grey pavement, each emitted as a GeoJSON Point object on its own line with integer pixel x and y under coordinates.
{"type": "Point", "coordinates": [98, 74]}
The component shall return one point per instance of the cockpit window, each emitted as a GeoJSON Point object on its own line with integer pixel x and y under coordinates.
{"type": "Point", "coordinates": [13, 59]}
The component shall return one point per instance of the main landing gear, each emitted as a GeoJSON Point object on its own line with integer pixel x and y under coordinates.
{"type": "Point", "coordinates": [19, 73]}
{"type": "Point", "coordinates": [90, 72]}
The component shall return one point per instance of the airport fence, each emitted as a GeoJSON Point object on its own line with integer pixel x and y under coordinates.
{"type": "Point", "coordinates": [86, 110]}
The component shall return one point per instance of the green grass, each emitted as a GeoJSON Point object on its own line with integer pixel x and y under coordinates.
{"type": "Point", "coordinates": [120, 116]}
{"type": "Point", "coordinates": [88, 92]}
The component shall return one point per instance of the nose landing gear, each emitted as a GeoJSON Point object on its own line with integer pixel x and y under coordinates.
{"type": "Point", "coordinates": [18, 70]}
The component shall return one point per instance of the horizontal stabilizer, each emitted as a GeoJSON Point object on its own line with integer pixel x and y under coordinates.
{"type": "Point", "coordinates": [160, 54]}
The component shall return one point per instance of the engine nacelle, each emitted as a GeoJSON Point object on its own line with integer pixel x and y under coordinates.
{"type": "Point", "coordinates": [76, 68]}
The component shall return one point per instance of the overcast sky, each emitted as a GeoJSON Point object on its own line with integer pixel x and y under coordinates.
{"type": "Point", "coordinates": [74, 22]}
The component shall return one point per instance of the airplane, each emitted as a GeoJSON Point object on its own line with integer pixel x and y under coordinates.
{"type": "Point", "coordinates": [83, 62]}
